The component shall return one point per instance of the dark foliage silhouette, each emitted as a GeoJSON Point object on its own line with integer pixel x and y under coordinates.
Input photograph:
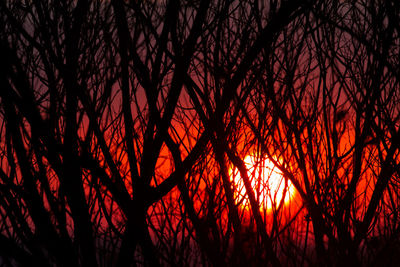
{"type": "Point", "coordinates": [124, 123]}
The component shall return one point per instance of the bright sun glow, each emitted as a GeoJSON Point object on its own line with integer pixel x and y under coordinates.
{"type": "Point", "coordinates": [267, 182]}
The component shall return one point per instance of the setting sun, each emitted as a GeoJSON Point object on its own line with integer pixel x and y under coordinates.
{"type": "Point", "coordinates": [267, 182]}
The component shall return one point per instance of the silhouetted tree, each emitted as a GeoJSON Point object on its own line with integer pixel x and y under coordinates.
{"type": "Point", "coordinates": [330, 91]}
{"type": "Point", "coordinates": [123, 121]}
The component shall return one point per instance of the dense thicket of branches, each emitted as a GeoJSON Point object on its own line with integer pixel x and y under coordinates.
{"type": "Point", "coordinates": [122, 122]}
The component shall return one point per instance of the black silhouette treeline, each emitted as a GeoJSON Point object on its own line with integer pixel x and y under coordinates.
{"type": "Point", "coordinates": [121, 123]}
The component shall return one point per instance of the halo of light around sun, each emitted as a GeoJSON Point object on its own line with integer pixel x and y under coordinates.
{"type": "Point", "coordinates": [268, 183]}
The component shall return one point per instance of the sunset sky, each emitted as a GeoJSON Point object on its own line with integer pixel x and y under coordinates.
{"type": "Point", "coordinates": [200, 133]}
